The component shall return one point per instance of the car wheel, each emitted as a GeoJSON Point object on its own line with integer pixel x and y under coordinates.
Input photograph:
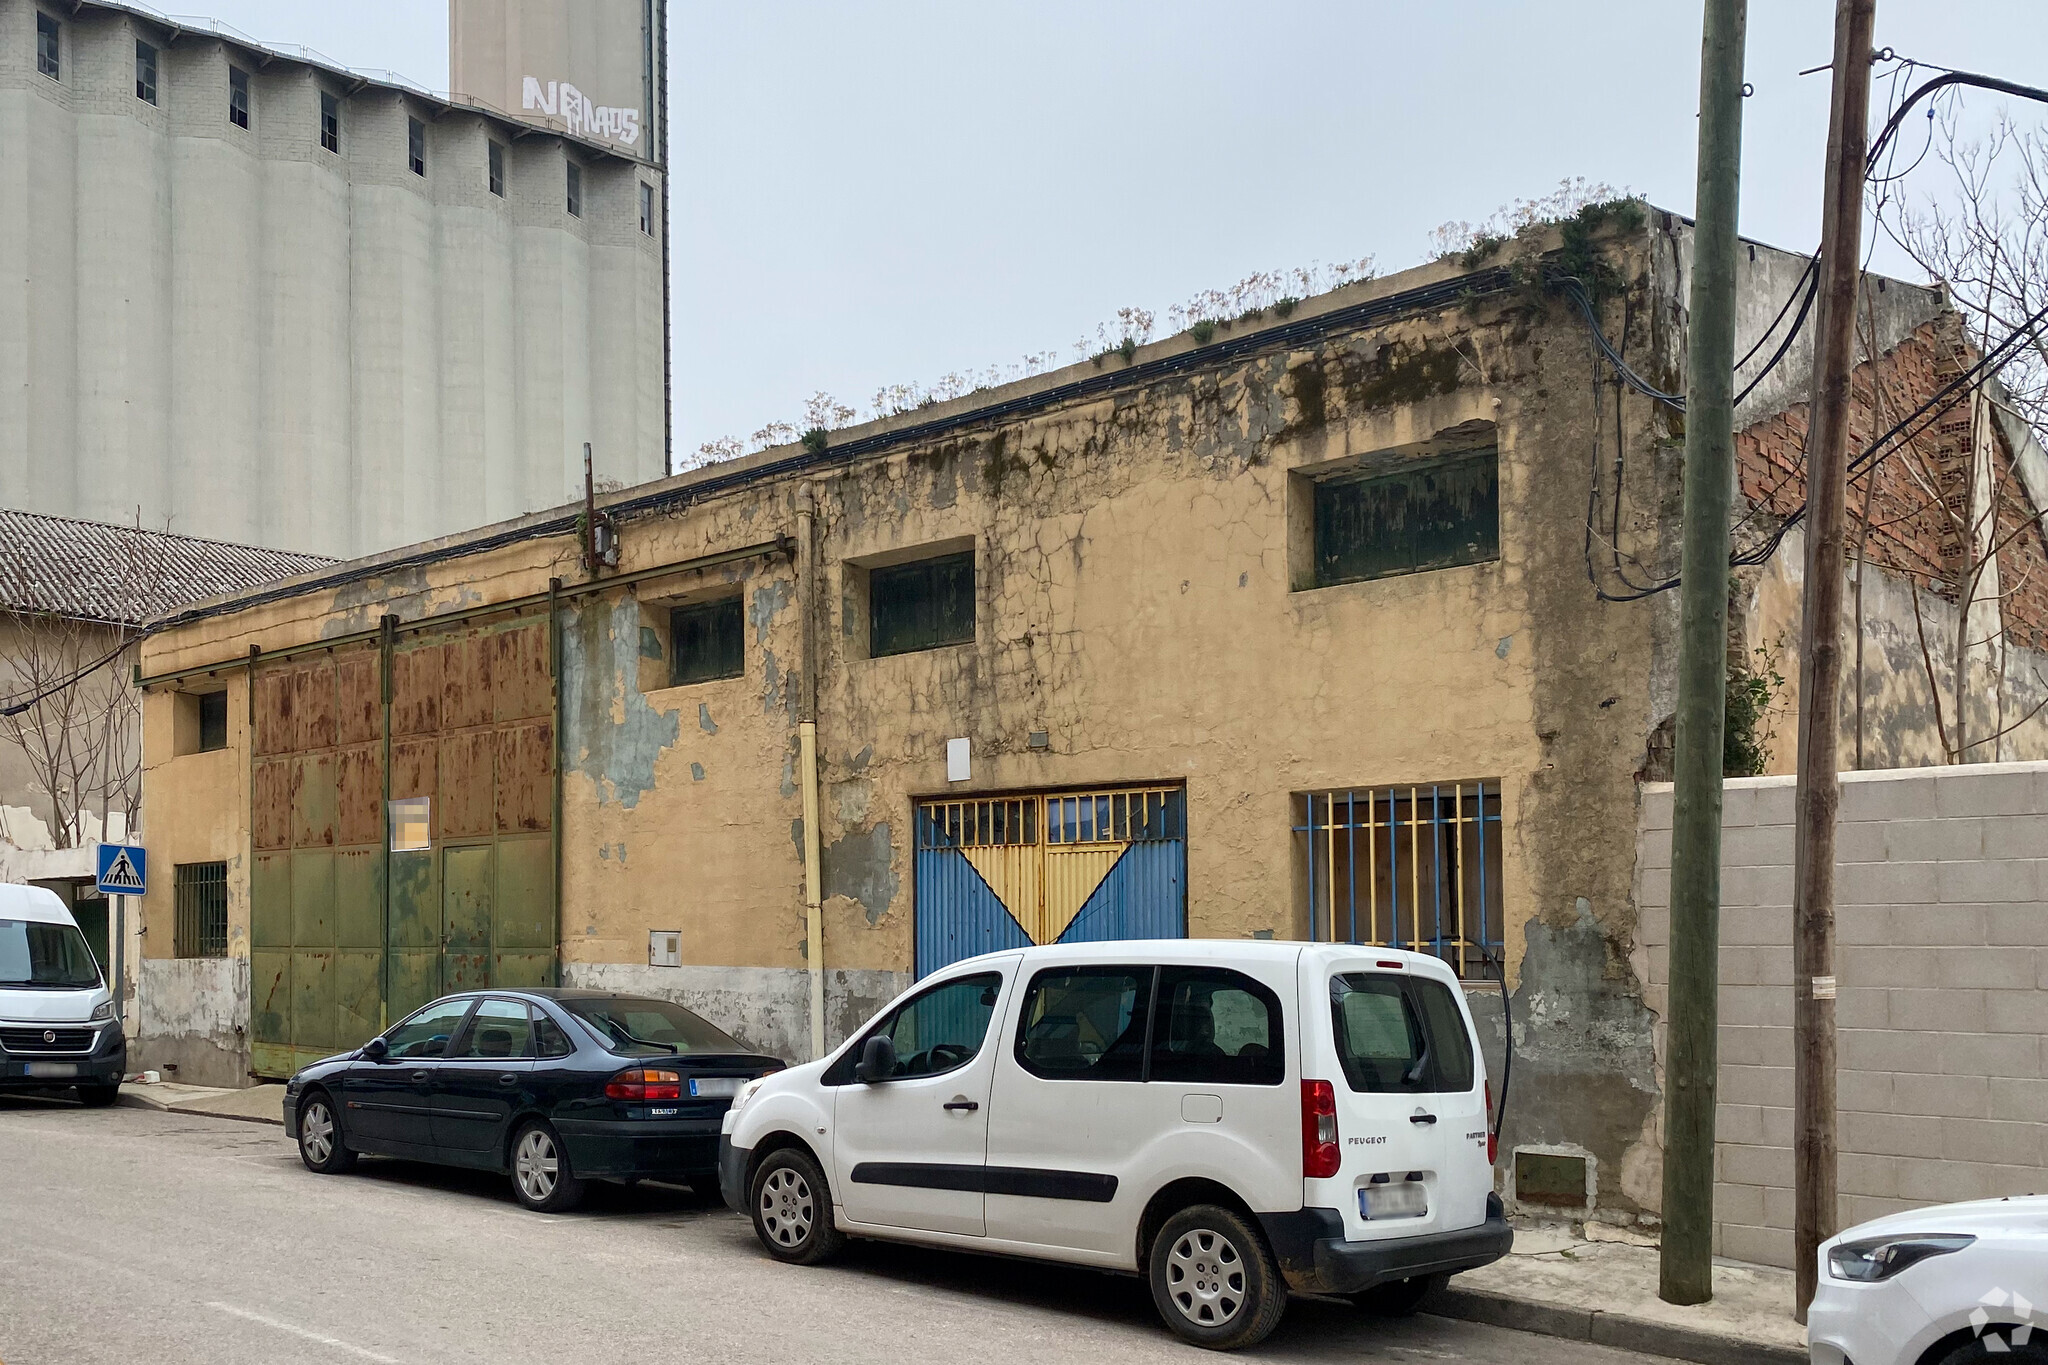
{"type": "Point", "coordinates": [2008, 1345]}
{"type": "Point", "coordinates": [1213, 1280]}
{"type": "Point", "coordinates": [792, 1209]}
{"type": "Point", "coordinates": [98, 1096]}
{"type": "Point", "coordinates": [1398, 1298]}
{"type": "Point", "coordinates": [541, 1178]}
{"type": "Point", "coordinates": [320, 1144]}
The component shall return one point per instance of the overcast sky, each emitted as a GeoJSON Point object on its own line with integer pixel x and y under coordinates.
{"type": "Point", "coordinates": [866, 194]}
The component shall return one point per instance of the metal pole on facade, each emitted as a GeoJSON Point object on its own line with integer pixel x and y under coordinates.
{"type": "Point", "coordinates": [807, 745]}
{"type": "Point", "coordinates": [1819, 791]}
{"type": "Point", "coordinates": [1686, 1269]}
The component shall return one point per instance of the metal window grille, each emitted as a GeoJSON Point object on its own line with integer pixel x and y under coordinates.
{"type": "Point", "coordinates": [238, 97]}
{"type": "Point", "coordinates": [145, 72]}
{"type": "Point", "coordinates": [46, 45]}
{"type": "Point", "coordinates": [202, 910]}
{"type": "Point", "coordinates": [1416, 867]}
{"type": "Point", "coordinates": [1136, 815]}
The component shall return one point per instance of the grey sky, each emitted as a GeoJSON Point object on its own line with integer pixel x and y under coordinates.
{"type": "Point", "coordinates": [867, 194]}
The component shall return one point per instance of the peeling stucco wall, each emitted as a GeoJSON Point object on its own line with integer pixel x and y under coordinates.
{"type": "Point", "coordinates": [192, 1020]}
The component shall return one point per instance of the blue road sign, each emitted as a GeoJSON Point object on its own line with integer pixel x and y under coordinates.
{"type": "Point", "coordinates": [124, 870]}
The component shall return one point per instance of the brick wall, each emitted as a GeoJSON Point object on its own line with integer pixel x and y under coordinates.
{"type": "Point", "coordinates": [1910, 532]}
{"type": "Point", "coordinates": [1942, 956]}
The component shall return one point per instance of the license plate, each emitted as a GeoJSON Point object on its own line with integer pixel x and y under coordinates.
{"type": "Point", "coordinates": [52, 1070]}
{"type": "Point", "coordinates": [715, 1085]}
{"type": "Point", "coordinates": [1405, 1200]}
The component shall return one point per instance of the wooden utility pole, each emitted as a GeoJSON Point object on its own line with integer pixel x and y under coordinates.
{"type": "Point", "coordinates": [1686, 1258]}
{"type": "Point", "coordinates": [1820, 652]}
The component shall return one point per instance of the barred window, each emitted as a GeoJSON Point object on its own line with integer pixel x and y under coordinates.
{"type": "Point", "coordinates": [202, 910]}
{"type": "Point", "coordinates": [1415, 867]}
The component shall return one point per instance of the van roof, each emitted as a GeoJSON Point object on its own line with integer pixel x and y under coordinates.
{"type": "Point", "coordinates": [1220, 950]}
{"type": "Point", "coordinates": [36, 904]}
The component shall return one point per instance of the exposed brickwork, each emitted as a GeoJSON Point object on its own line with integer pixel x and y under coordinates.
{"type": "Point", "coordinates": [1911, 532]}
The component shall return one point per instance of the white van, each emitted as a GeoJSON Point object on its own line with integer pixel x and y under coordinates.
{"type": "Point", "coordinates": [57, 1024]}
{"type": "Point", "coordinates": [1231, 1119]}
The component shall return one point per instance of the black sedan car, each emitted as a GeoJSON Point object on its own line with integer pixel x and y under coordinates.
{"type": "Point", "coordinates": [556, 1087]}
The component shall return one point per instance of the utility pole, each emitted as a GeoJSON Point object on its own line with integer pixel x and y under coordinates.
{"type": "Point", "coordinates": [1819, 794]}
{"type": "Point", "coordinates": [1686, 1256]}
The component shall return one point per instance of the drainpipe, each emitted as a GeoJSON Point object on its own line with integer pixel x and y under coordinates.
{"type": "Point", "coordinates": [807, 753]}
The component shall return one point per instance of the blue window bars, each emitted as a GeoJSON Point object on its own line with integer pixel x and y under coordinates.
{"type": "Point", "coordinates": [1416, 867]}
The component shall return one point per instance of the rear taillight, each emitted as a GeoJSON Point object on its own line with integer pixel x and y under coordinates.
{"type": "Point", "coordinates": [1492, 1132]}
{"type": "Point", "coordinates": [645, 1085]}
{"type": "Point", "coordinates": [1319, 1155]}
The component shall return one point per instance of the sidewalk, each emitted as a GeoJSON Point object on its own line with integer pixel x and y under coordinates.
{"type": "Point", "coordinates": [1606, 1292]}
{"type": "Point", "coordinates": [257, 1104]}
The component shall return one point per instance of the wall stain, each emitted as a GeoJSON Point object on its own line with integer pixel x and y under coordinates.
{"type": "Point", "coordinates": [696, 772]}
{"type": "Point", "coordinates": [769, 600]}
{"type": "Point", "coordinates": [858, 865]}
{"type": "Point", "coordinates": [610, 734]}
{"type": "Point", "coordinates": [704, 721]}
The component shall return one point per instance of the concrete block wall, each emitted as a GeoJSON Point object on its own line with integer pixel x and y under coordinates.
{"type": "Point", "coordinates": [1942, 959]}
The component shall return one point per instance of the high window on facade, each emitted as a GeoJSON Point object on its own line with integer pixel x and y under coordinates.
{"type": "Point", "coordinates": [416, 146]}
{"type": "Point", "coordinates": [46, 46]}
{"type": "Point", "coordinates": [330, 122]}
{"type": "Point", "coordinates": [1433, 513]}
{"type": "Point", "coordinates": [647, 208]}
{"type": "Point", "coordinates": [201, 898]}
{"type": "Point", "coordinates": [1416, 867]}
{"type": "Point", "coordinates": [575, 190]}
{"type": "Point", "coordinates": [707, 640]}
{"type": "Point", "coordinates": [200, 722]}
{"type": "Point", "coordinates": [238, 97]}
{"type": "Point", "coordinates": [145, 72]}
{"type": "Point", "coordinates": [921, 605]}
{"type": "Point", "coordinates": [495, 169]}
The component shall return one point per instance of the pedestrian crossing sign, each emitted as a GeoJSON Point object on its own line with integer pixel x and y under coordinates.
{"type": "Point", "coordinates": [123, 870]}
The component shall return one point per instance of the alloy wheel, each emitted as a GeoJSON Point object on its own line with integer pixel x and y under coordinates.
{"type": "Point", "coordinates": [786, 1207]}
{"type": "Point", "coordinates": [537, 1165]}
{"type": "Point", "coordinates": [1205, 1277]}
{"type": "Point", "coordinates": [316, 1133]}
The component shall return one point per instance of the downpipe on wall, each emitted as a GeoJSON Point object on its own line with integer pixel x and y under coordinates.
{"type": "Point", "coordinates": [807, 757]}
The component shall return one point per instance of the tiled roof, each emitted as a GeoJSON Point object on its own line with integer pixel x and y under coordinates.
{"type": "Point", "coordinates": [93, 571]}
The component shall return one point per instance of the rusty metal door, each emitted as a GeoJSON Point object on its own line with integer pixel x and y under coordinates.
{"type": "Point", "coordinates": [348, 934]}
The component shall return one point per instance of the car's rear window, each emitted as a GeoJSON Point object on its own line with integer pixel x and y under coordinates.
{"type": "Point", "coordinates": [635, 1026]}
{"type": "Point", "coordinates": [1401, 1035]}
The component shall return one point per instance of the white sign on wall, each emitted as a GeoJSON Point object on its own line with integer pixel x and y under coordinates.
{"type": "Point", "coordinates": [574, 108]}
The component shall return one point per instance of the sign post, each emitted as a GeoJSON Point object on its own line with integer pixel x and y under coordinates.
{"type": "Point", "coordinates": [123, 872]}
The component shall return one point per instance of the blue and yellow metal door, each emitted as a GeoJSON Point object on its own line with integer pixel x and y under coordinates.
{"type": "Point", "coordinates": [1055, 867]}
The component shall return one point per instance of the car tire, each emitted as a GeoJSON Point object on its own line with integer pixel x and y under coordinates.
{"type": "Point", "coordinates": [1398, 1298]}
{"type": "Point", "coordinates": [98, 1096]}
{"type": "Point", "coordinates": [1997, 1344]}
{"type": "Point", "coordinates": [1213, 1281]}
{"type": "Point", "coordinates": [791, 1206]}
{"type": "Point", "coordinates": [320, 1140]}
{"type": "Point", "coordinates": [541, 1177]}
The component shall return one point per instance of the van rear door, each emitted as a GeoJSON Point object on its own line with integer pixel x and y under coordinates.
{"type": "Point", "coordinates": [1397, 1045]}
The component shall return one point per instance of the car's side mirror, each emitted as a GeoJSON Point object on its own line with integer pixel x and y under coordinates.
{"type": "Point", "coordinates": [376, 1049]}
{"type": "Point", "coordinates": [877, 1060]}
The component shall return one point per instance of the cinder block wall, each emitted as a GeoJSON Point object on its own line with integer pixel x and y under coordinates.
{"type": "Point", "coordinates": [1942, 958]}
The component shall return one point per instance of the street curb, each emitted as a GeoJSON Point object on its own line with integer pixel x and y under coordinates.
{"type": "Point", "coordinates": [1606, 1329]}
{"type": "Point", "coordinates": [128, 1101]}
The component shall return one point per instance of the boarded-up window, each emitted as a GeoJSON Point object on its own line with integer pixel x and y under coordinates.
{"type": "Point", "coordinates": [1430, 515]}
{"type": "Point", "coordinates": [708, 640]}
{"type": "Point", "coordinates": [922, 605]}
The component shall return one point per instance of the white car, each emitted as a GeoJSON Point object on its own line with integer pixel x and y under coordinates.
{"type": "Point", "coordinates": [1229, 1119]}
{"type": "Point", "coordinates": [57, 1020]}
{"type": "Point", "coordinates": [1936, 1286]}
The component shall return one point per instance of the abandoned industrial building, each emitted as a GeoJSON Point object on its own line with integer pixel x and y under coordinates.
{"type": "Point", "coordinates": [1335, 624]}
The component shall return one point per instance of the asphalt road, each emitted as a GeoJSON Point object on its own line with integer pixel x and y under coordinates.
{"type": "Point", "coordinates": [132, 1234]}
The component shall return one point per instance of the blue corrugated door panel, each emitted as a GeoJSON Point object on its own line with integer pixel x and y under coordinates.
{"type": "Point", "coordinates": [1144, 896]}
{"type": "Point", "coordinates": [958, 916]}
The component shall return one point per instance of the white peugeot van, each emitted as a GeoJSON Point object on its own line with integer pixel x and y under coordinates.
{"type": "Point", "coordinates": [57, 1024]}
{"type": "Point", "coordinates": [1231, 1119]}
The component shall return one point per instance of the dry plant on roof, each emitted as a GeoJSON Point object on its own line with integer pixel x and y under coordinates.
{"type": "Point", "coordinates": [83, 743]}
